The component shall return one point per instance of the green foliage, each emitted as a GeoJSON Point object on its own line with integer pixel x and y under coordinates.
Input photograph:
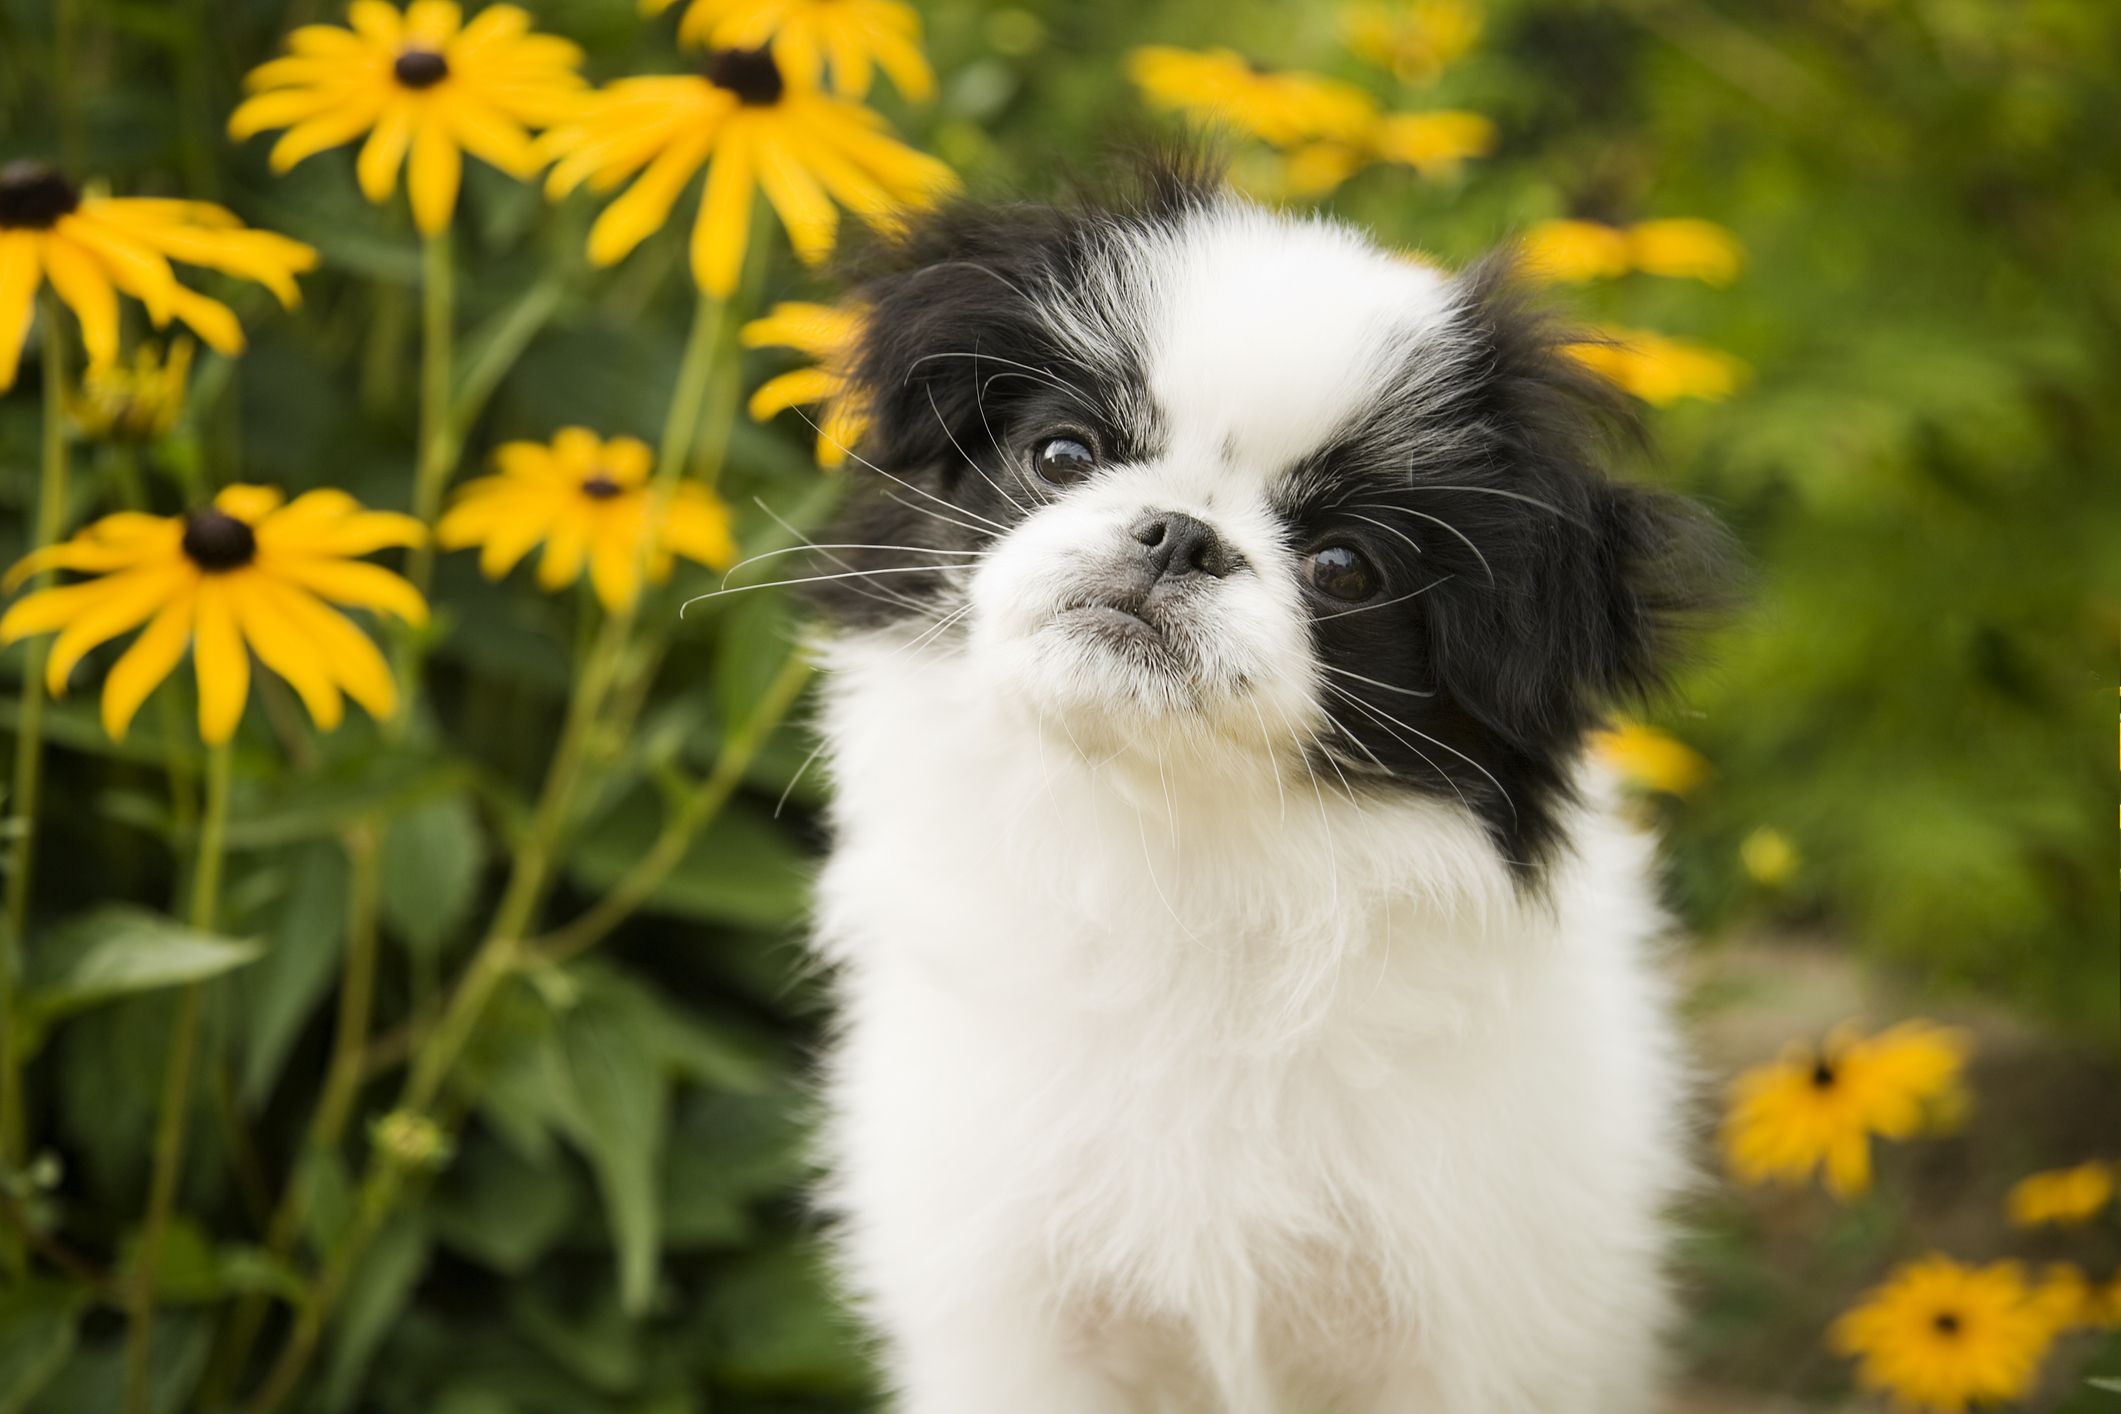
{"type": "Point", "coordinates": [1921, 468]}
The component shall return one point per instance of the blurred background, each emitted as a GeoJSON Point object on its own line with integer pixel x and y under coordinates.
{"type": "Point", "coordinates": [1892, 368]}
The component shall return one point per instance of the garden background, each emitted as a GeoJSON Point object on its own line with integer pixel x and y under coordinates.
{"type": "Point", "coordinates": [1885, 786]}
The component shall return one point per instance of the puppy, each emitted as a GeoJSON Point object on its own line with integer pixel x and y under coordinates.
{"type": "Point", "coordinates": [1248, 993]}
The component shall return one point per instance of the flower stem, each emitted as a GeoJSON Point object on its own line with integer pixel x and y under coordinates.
{"type": "Point", "coordinates": [437, 329]}
{"type": "Point", "coordinates": [694, 814]}
{"type": "Point", "coordinates": [29, 744]}
{"type": "Point", "coordinates": [170, 1128]}
{"type": "Point", "coordinates": [501, 952]}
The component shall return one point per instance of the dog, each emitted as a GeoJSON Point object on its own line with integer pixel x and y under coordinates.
{"type": "Point", "coordinates": [1248, 993]}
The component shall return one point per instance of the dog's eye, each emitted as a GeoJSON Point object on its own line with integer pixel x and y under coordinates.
{"type": "Point", "coordinates": [1341, 572]}
{"type": "Point", "coordinates": [1061, 460]}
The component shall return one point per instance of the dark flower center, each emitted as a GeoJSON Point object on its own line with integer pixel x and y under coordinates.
{"type": "Point", "coordinates": [598, 486]}
{"type": "Point", "coordinates": [1946, 1322]}
{"type": "Point", "coordinates": [217, 541]}
{"type": "Point", "coordinates": [34, 196]}
{"type": "Point", "coordinates": [750, 74]}
{"type": "Point", "coordinates": [420, 68]}
{"type": "Point", "coordinates": [1823, 1076]}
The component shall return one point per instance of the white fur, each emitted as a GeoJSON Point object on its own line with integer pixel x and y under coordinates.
{"type": "Point", "coordinates": [1173, 1076]}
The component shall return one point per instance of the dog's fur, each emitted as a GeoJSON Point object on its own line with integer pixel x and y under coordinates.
{"type": "Point", "coordinates": [1248, 999]}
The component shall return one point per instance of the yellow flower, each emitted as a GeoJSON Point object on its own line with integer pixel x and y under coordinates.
{"type": "Point", "coordinates": [1646, 757]}
{"type": "Point", "coordinates": [245, 570]}
{"type": "Point", "coordinates": [1575, 251]}
{"type": "Point", "coordinates": [2064, 1197]}
{"type": "Point", "coordinates": [1435, 144]}
{"type": "Point", "coordinates": [1768, 857]}
{"type": "Point", "coordinates": [2066, 1298]}
{"type": "Point", "coordinates": [420, 82]}
{"type": "Point", "coordinates": [586, 500]}
{"type": "Point", "coordinates": [752, 128]}
{"type": "Point", "coordinates": [828, 336]}
{"type": "Point", "coordinates": [1685, 249]}
{"type": "Point", "coordinates": [1661, 370]}
{"type": "Point", "coordinates": [851, 37]}
{"type": "Point", "coordinates": [93, 248]}
{"type": "Point", "coordinates": [1221, 86]}
{"type": "Point", "coordinates": [1680, 248]}
{"type": "Point", "coordinates": [1942, 1336]}
{"type": "Point", "coordinates": [138, 403]}
{"type": "Point", "coordinates": [1819, 1107]}
{"type": "Point", "coordinates": [1415, 39]}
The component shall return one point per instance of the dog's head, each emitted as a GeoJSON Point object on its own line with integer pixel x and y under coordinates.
{"type": "Point", "coordinates": [1194, 470]}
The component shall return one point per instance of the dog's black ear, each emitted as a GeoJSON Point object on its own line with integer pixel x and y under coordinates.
{"type": "Point", "coordinates": [972, 300]}
{"type": "Point", "coordinates": [1594, 581]}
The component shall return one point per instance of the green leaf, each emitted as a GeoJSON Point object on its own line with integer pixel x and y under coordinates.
{"type": "Point", "coordinates": [376, 1294]}
{"type": "Point", "coordinates": [497, 1209]}
{"type": "Point", "coordinates": [38, 1329]}
{"type": "Point", "coordinates": [308, 932]}
{"type": "Point", "coordinates": [729, 1154]}
{"type": "Point", "coordinates": [118, 951]}
{"type": "Point", "coordinates": [433, 855]}
{"type": "Point", "coordinates": [772, 1323]}
{"type": "Point", "coordinates": [358, 787]}
{"type": "Point", "coordinates": [94, 1382]}
{"type": "Point", "coordinates": [742, 869]}
{"type": "Point", "coordinates": [612, 1101]}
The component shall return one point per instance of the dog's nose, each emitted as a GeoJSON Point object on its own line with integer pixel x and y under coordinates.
{"type": "Point", "coordinates": [1179, 545]}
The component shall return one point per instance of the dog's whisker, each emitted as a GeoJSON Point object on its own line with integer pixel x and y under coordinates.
{"type": "Point", "coordinates": [812, 579]}
{"type": "Point", "coordinates": [1440, 745]}
{"type": "Point", "coordinates": [1369, 711]}
{"type": "Point", "coordinates": [1383, 603]}
{"type": "Point", "coordinates": [969, 461]}
{"type": "Point", "coordinates": [992, 525]}
{"type": "Point", "coordinates": [1463, 538]}
{"type": "Point", "coordinates": [1045, 374]}
{"type": "Point", "coordinates": [1411, 543]}
{"type": "Point", "coordinates": [870, 591]}
{"type": "Point", "coordinates": [1388, 687]}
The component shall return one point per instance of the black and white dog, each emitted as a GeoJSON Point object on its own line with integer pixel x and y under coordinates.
{"type": "Point", "coordinates": [1249, 993]}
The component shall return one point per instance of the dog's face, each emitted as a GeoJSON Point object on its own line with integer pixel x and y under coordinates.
{"type": "Point", "coordinates": [1193, 470]}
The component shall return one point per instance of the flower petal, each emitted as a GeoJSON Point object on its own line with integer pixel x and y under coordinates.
{"type": "Point", "coordinates": [122, 601]}
{"type": "Point", "coordinates": [646, 205]}
{"type": "Point", "coordinates": [248, 502]}
{"type": "Point", "coordinates": [805, 210]}
{"type": "Point", "coordinates": [560, 563]}
{"type": "Point", "coordinates": [278, 640]}
{"type": "Point", "coordinates": [376, 168]}
{"type": "Point", "coordinates": [19, 274]}
{"type": "Point", "coordinates": [352, 658]}
{"type": "Point", "coordinates": [724, 224]}
{"type": "Point", "coordinates": [151, 658]}
{"type": "Point", "coordinates": [219, 660]}
{"type": "Point", "coordinates": [615, 563]}
{"type": "Point", "coordinates": [437, 168]}
{"type": "Point", "coordinates": [351, 582]}
{"type": "Point", "coordinates": [80, 281]}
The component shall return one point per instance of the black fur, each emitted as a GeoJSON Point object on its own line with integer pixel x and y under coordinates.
{"type": "Point", "coordinates": [1531, 589]}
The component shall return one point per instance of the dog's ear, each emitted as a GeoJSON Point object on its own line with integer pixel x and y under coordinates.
{"type": "Point", "coordinates": [971, 300]}
{"type": "Point", "coordinates": [1603, 577]}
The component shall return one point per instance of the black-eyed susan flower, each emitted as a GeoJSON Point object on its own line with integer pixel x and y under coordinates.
{"type": "Point", "coordinates": [2061, 1197]}
{"type": "Point", "coordinates": [850, 38]}
{"type": "Point", "coordinates": [1650, 759]}
{"type": "Point", "coordinates": [754, 129]}
{"type": "Point", "coordinates": [1659, 369]}
{"type": "Point", "coordinates": [1221, 86]}
{"type": "Point", "coordinates": [586, 501]}
{"type": "Point", "coordinates": [424, 86]}
{"type": "Point", "coordinates": [133, 402]}
{"type": "Point", "coordinates": [93, 248]}
{"type": "Point", "coordinates": [1818, 1107]}
{"type": "Point", "coordinates": [1416, 40]}
{"type": "Point", "coordinates": [1683, 248]}
{"type": "Point", "coordinates": [1946, 1337]}
{"type": "Point", "coordinates": [827, 335]}
{"type": "Point", "coordinates": [245, 570]}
